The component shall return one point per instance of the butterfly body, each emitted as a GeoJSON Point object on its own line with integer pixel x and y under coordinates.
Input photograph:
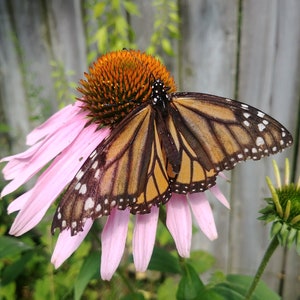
{"type": "Point", "coordinates": [173, 143]}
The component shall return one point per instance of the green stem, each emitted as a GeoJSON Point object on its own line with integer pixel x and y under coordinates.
{"type": "Point", "coordinates": [272, 247]}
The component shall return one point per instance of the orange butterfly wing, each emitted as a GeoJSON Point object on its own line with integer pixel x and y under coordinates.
{"type": "Point", "coordinates": [125, 170]}
{"type": "Point", "coordinates": [214, 133]}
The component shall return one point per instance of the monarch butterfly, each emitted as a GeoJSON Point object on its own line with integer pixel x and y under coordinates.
{"type": "Point", "coordinates": [173, 143]}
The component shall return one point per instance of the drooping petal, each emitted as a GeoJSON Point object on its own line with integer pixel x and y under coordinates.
{"type": "Point", "coordinates": [144, 238]}
{"type": "Point", "coordinates": [219, 195]}
{"type": "Point", "coordinates": [19, 202]}
{"type": "Point", "coordinates": [179, 223]}
{"type": "Point", "coordinates": [16, 162]}
{"type": "Point", "coordinates": [113, 239]}
{"type": "Point", "coordinates": [67, 244]}
{"type": "Point", "coordinates": [203, 214]}
{"type": "Point", "coordinates": [57, 122]}
{"type": "Point", "coordinates": [51, 147]}
{"type": "Point", "coordinates": [54, 123]}
{"type": "Point", "coordinates": [51, 183]}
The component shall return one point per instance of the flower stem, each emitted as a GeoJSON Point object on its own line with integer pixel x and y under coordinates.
{"type": "Point", "coordinates": [270, 250]}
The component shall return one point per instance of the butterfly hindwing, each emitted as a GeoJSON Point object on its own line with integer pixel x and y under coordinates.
{"type": "Point", "coordinates": [214, 133]}
{"type": "Point", "coordinates": [125, 170]}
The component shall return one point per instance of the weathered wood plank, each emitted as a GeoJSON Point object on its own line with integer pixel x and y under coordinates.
{"type": "Point", "coordinates": [12, 92]}
{"type": "Point", "coordinates": [208, 62]}
{"type": "Point", "coordinates": [285, 92]}
{"type": "Point", "coordinates": [66, 31]}
{"type": "Point", "coordinates": [266, 50]}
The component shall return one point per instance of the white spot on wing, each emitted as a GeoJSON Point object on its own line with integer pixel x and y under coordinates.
{"type": "Point", "coordinates": [77, 186]}
{"type": "Point", "coordinates": [265, 122]}
{"type": "Point", "coordinates": [259, 141]}
{"type": "Point", "coordinates": [260, 114]}
{"type": "Point", "coordinates": [246, 123]}
{"type": "Point", "coordinates": [97, 174]}
{"type": "Point", "coordinates": [261, 127]}
{"type": "Point", "coordinates": [95, 164]}
{"type": "Point", "coordinates": [89, 203]}
{"type": "Point", "coordinates": [93, 154]}
{"type": "Point", "coordinates": [79, 175]}
{"type": "Point", "coordinates": [83, 189]}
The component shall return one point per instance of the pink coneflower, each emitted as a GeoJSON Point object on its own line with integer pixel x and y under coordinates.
{"type": "Point", "coordinates": [68, 139]}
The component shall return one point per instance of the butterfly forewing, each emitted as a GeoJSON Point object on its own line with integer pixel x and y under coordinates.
{"type": "Point", "coordinates": [125, 170]}
{"type": "Point", "coordinates": [214, 133]}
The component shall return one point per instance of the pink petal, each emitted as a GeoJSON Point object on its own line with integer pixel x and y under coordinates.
{"type": "Point", "coordinates": [51, 183]}
{"type": "Point", "coordinates": [56, 121]}
{"type": "Point", "coordinates": [144, 238]}
{"type": "Point", "coordinates": [50, 148]}
{"type": "Point", "coordinates": [203, 214]}
{"type": "Point", "coordinates": [16, 162]}
{"type": "Point", "coordinates": [179, 223]}
{"type": "Point", "coordinates": [67, 244]}
{"type": "Point", "coordinates": [113, 242]}
{"type": "Point", "coordinates": [19, 202]}
{"type": "Point", "coordinates": [219, 195]}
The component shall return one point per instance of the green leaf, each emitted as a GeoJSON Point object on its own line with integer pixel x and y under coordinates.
{"type": "Point", "coordinates": [11, 272]}
{"type": "Point", "coordinates": [99, 9]}
{"type": "Point", "coordinates": [89, 270]}
{"type": "Point", "coordinates": [8, 291]}
{"type": "Point", "coordinates": [167, 47]}
{"type": "Point", "coordinates": [133, 296]}
{"type": "Point", "coordinates": [4, 128]}
{"type": "Point", "coordinates": [236, 286]}
{"type": "Point", "coordinates": [190, 285]}
{"type": "Point", "coordinates": [10, 246]}
{"type": "Point", "coordinates": [298, 242]}
{"type": "Point", "coordinates": [163, 261]}
{"type": "Point", "coordinates": [167, 290]}
{"type": "Point", "coordinates": [91, 56]}
{"type": "Point", "coordinates": [131, 8]}
{"type": "Point", "coordinates": [201, 261]}
{"type": "Point", "coordinates": [121, 26]}
{"type": "Point", "coordinates": [174, 17]}
{"type": "Point", "coordinates": [276, 227]}
{"type": "Point", "coordinates": [101, 38]}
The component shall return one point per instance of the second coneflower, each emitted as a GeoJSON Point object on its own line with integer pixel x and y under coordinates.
{"type": "Point", "coordinates": [129, 145]}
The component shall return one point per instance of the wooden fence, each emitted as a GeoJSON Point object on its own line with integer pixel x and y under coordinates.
{"type": "Point", "coordinates": [244, 49]}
